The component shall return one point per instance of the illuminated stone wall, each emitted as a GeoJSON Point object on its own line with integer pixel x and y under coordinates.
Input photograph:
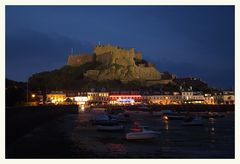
{"type": "Point", "coordinates": [108, 54]}
{"type": "Point", "coordinates": [138, 56]}
{"type": "Point", "coordinates": [118, 64]}
{"type": "Point", "coordinates": [77, 60]}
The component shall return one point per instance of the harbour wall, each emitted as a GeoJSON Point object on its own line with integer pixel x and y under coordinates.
{"type": "Point", "coordinates": [21, 120]}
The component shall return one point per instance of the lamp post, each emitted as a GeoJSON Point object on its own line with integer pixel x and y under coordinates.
{"type": "Point", "coordinates": [27, 92]}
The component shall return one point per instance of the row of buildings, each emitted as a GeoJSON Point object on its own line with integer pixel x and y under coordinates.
{"type": "Point", "coordinates": [131, 98]}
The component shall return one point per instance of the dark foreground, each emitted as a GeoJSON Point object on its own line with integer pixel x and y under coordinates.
{"type": "Point", "coordinates": [72, 136]}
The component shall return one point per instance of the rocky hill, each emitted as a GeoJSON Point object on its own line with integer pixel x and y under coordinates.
{"type": "Point", "coordinates": [116, 63]}
{"type": "Point", "coordinates": [108, 66]}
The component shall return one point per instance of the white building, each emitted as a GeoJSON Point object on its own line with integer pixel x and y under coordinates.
{"type": "Point", "coordinates": [192, 97]}
{"type": "Point", "coordinates": [56, 97]}
{"type": "Point", "coordinates": [228, 97]}
{"type": "Point", "coordinates": [209, 99]}
{"type": "Point", "coordinates": [174, 98]}
{"type": "Point", "coordinates": [98, 97]}
{"type": "Point", "coordinates": [187, 95]}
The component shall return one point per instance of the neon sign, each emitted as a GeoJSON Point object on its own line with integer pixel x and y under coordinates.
{"type": "Point", "coordinates": [125, 100]}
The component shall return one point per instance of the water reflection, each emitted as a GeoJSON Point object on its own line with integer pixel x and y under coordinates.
{"type": "Point", "coordinates": [179, 141]}
{"type": "Point", "coordinates": [116, 148]}
{"type": "Point", "coordinates": [166, 125]}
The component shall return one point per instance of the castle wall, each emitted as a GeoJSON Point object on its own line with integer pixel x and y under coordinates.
{"type": "Point", "coordinates": [77, 60]}
{"type": "Point", "coordinates": [108, 54]}
{"type": "Point", "coordinates": [149, 73]}
{"type": "Point", "coordinates": [154, 82]}
{"type": "Point", "coordinates": [138, 56]}
{"type": "Point", "coordinates": [105, 58]}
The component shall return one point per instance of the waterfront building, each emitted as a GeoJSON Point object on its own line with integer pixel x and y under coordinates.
{"type": "Point", "coordinates": [164, 99]}
{"type": "Point", "coordinates": [77, 97]}
{"type": "Point", "coordinates": [187, 95]}
{"type": "Point", "coordinates": [98, 98]}
{"type": "Point", "coordinates": [191, 97]}
{"type": "Point", "coordinates": [176, 98]}
{"type": "Point", "coordinates": [218, 97]}
{"type": "Point", "coordinates": [209, 99]}
{"type": "Point", "coordinates": [159, 99]}
{"type": "Point", "coordinates": [228, 97]}
{"type": "Point", "coordinates": [56, 97]}
{"type": "Point", "coordinates": [85, 99]}
{"type": "Point", "coordinates": [125, 99]}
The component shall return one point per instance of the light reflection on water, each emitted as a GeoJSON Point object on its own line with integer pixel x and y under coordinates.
{"type": "Point", "coordinates": [116, 148]}
{"type": "Point", "coordinates": [175, 141]}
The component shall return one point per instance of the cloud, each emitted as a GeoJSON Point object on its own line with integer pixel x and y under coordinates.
{"type": "Point", "coordinates": [29, 51]}
{"type": "Point", "coordinates": [215, 76]}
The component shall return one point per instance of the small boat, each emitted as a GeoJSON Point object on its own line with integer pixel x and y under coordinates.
{"type": "Point", "coordinates": [142, 134]}
{"type": "Point", "coordinates": [123, 118]}
{"type": "Point", "coordinates": [171, 115]}
{"type": "Point", "coordinates": [110, 127]}
{"type": "Point", "coordinates": [104, 119]}
{"type": "Point", "coordinates": [213, 115]}
{"type": "Point", "coordinates": [174, 117]}
{"type": "Point", "coordinates": [190, 121]}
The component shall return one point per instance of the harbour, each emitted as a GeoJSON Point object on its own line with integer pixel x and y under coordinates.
{"type": "Point", "coordinates": [72, 135]}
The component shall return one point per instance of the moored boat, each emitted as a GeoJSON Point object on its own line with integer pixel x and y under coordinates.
{"type": "Point", "coordinates": [193, 121]}
{"type": "Point", "coordinates": [172, 115]}
{"type": "Point", "coordinates": [142, 134]}
{"type": "Point", "coordinates": [104, 119]}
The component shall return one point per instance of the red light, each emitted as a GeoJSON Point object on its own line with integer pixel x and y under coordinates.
{"type": "Point", "coordinates": [125, 96]}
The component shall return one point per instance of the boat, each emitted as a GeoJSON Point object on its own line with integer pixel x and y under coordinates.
{"type": "Point", "coordinates": [215, 114]}
{"type": "Point", "coordinates": [174, 117]}
{"type": "Point", "coordinates": [122, 117]}
{"type": "Point", "coordinates": [193, 121]}
{"type": "Point", "coordinates": [142, 134]}
{"type": "Point", "coordinates": [171, 115]}
{"type": "Point", "coordinates": [104, 119]}
{"type": "Point", "coordinates": [212, 114]}
{"type": "Point", "coordinates": [110, 127]}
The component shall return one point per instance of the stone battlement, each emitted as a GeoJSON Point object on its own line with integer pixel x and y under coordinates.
{"type": "Point", "coordinates": [107, 54]}
{"type": "Point", "coordinates": [102, 49]}
{"type": "Point", "coordinates": [109, 49]}
{"type": "Point", "coordinates": [78, 59]}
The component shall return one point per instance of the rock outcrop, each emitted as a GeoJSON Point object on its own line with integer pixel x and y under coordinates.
{"type": "Point", "coordinates": [120, 64]}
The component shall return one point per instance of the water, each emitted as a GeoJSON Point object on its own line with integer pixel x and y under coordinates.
{"type": "Point", "coordinates": [72, 136]}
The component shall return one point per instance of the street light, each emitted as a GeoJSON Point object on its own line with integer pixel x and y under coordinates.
{"type": "Point", "coordinates": [27, 91]}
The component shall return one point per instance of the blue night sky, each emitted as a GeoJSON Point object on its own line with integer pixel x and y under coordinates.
{"type": "Point", "coordinates": [193, 41]}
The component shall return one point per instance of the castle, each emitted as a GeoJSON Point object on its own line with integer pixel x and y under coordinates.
{"type": "Point", "coordinates": [119, 64]}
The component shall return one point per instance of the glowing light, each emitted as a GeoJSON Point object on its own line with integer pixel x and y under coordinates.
{"type": "Point", "coordinates": [81, 98]}
{"type": "Point", "coordinates": [33, 95]}
{"type": "Point", "coordinates": [165, 117]}
{"type": "Point", "coordinates": [135, 96]}
{"type": "Point", "coordinates": [125, 100]}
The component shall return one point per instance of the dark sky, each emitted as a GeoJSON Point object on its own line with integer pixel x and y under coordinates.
{"type": "Point", "coordinates": [193, 41]}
